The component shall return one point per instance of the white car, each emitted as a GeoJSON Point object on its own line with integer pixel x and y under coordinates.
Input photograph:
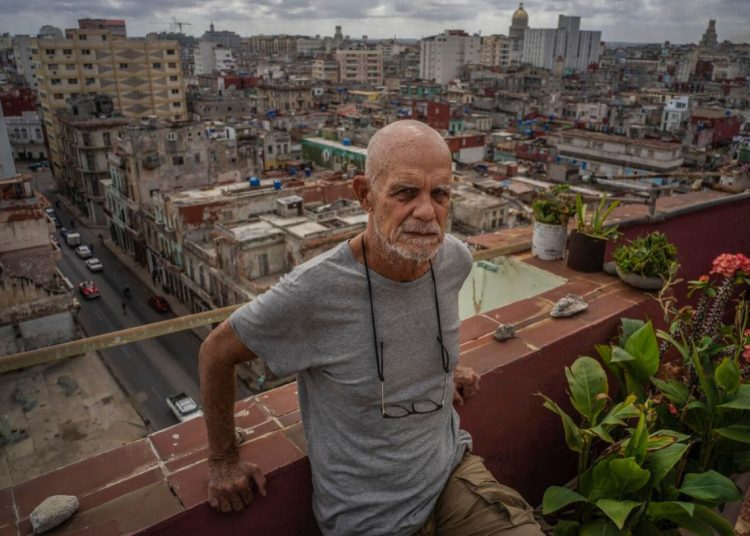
{"type": "Point", "coordinates": [183, 407]}
{"type": "Point", "coordinates": [84, 252]}
{"type": "Point", "coordinates": [94, 264]}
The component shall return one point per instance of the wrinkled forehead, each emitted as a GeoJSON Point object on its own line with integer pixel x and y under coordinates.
{"type": "Point", "coordinates": [416, 154]}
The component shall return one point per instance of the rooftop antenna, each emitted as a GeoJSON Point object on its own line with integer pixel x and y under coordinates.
{"type": "Point", "coordinates": [177, 24]}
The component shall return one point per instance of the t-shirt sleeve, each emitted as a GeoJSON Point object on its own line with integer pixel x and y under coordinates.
{"type": "Point", "coordinates": [270, 326]}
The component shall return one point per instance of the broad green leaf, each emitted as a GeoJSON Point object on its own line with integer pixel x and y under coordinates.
{"type": "Point", "coordinates": [587, 383]}
{"type": "Point", "coordinates": [617, 511]}
{"type": "Point", "coordinates": [735, 432]}
{"type": "Point", "coordinates": [728, 375]}
{"type": "Point", "coordinates": [638, 442]}
{"type": "Point", "coordinates": [629, 326]}
{"type": "Point", "coordinates": [680, 513]}
{"type": "Point", "coordinates": [628, 476]}
{"type": "Point", "coordinates": [705, 381]}
{"type": "Point", "coordinates": [718, 523]}
{"type": "Point", "coordinates": [557, 497]}
{"type": "Point", "coordinates": [741, 399]}
{"type": "Point", "coordinates": [572, 433]}
{"type": "Point", "coordinates": [659, 442]}
{"type": "Point", "coordinates": [567, 528]}
{"type": "Point", "coordinates": [621, 411]}
{"type": "Point", "coordinates": [674, 390]}
{"type": "Point", "coordinates": [620, 355]}
{"type": "Point", "coordinates": [660, 507]}
{"type": "Point", "coordinates": [662, 461]}
{"type": "Point", "coordinates": [644, 347]}
{"type": "Point", "coordinates": [599, 527]}
{"type": "Point", "coordinates": [600, 432]}
{"type": "Point", "coordinates": [711, 487]}
{"type": "Point", "coordinates": [680, 347]}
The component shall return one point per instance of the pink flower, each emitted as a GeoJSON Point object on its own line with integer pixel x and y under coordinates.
{"type": "Point", "coordinates": [727, 264]}
{"type": "Point", "coordinates": [703, 279]}
{"type": "Point", "coordinates": [672, 409]}
{"type": "Point", "coordinates": [746, 333]}
{"type": "Point", "coordinates": [746, 353]}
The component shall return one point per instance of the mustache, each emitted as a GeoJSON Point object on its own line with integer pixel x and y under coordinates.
{"type": "Point", "coordinates": [420, 227]}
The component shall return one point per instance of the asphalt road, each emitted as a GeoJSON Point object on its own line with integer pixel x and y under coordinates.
{"type": "Point", "coordinates": [149, 371]}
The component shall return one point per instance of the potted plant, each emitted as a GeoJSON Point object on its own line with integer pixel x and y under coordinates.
{"type": "Point", "coordinates": [589, 239]}
{"type": "Point", "coordinates": [646, 261]}
{"type": "Point", "coordinates": [551, 212]}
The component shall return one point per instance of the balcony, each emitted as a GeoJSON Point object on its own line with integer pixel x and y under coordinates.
{"type": "Point", "coordinates": [156, 486]}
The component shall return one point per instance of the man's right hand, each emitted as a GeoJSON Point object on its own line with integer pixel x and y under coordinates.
{"type": "Point", "coordinates": [229, 484]}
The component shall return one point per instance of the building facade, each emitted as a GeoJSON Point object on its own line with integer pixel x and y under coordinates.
{"type": "Point", "coordinates": [23, 125]}
{"type": "Point", "coordinates": [497, 50]}
{"type": "Point", "coordinates": [364, 66]}
{"type": "Point", "coordinates": [578, 48]}
{"type": "Point", "coordinates": [443, 56]}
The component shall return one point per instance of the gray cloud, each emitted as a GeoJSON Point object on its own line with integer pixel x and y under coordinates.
{"type": "Point", "coordinates": [619, 20]}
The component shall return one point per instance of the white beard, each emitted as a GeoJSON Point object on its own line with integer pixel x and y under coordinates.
{"type": "Point", "coordinates": [411, 248]}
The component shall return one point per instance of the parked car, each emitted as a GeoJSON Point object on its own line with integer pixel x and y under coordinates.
{"type": "Point", "coordinates": [72, 238]}
{"type": "Point", "coordinates": [88, 289]}
{"type": "Point", "coordinates": [94, 264]}
{"type": "Point", "coordinates": [36, 166]}
{"type": "Point", "coordinates": [183, 407]}
{"type": "Point", "coordinates": [159, 303]}
{"type": "Point", "coordinates": [82, 251]}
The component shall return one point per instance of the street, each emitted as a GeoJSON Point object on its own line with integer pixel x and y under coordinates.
{"type": "Point", "coordinates": [149, 371]}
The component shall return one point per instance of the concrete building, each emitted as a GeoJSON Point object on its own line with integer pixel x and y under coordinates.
{"type": "Point", "coordinates": [517, 31]}
{"type": "Point", "coordinates": [24, 53]}
{"type": "Point", "coordinates": [87, 129]}
{"type": "Point", "coordinates": [7, 165]}
{"type": "Point", "coordinates": [142, 77]}
{"type": "Point", "coordinates": [223, 37]}
{"type": "Point", "coordinates": [160, 157]}
{"type": "Point", "coordinates": [284, 97]}
{"type": "Point", "coordinates": [497, 50]}
{"type": "Point", "coordinates": [676, 113]}
{"type": "Point", "coordinates": [325, 68]}
{"type": "Point", "coordinates": [115, 26]}
{"type": "Point", "coordinates": [474, 212]}
{"type": "Point", "coordinates": [712, 126]}
{"type": "Point", "coordinates": [23, 124]}
{"type": "Point", "coordinates": [710, 39]}
{"type": "Point", "coordinates": [443, 56]}
{"type": "Point", "coordinates": [38, 308]}
{"type": "Point", "coordinates": [610, 155]}
{"type": "Point", "coordinates": [224, 107]}
{"type": "Point", "coordinates": [210, 57]}
{"type": "Point", "coordinates": [360, 65]}
{"type": "Point", "coordinates": [579, 48]}
{"type": "Point", "coordinates": [467, 147]}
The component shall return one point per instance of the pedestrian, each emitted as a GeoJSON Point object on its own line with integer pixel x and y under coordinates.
{"type": "Point", "coordinates": [91, 247]}
{"type": "Point", "coordinates": [386, 450]}
{"type": "Point", "coordinates": [124, 311]}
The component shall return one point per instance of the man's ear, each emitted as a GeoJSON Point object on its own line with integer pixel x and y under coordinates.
{"type": "Point", "coordinates": [362, 190]}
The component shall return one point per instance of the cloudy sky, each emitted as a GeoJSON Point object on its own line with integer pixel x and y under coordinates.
{"type": "Point", "coordinates": [680, 21]}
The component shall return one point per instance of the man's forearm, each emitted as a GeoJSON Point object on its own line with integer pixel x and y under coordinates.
{"type": "Point", "coordinates": [218, 392]}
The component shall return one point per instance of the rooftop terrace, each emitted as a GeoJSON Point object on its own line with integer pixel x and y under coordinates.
{"type": "Point", "coordinates": [156, 486]}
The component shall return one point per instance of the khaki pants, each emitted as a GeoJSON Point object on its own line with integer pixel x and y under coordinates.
{"type": "Point", "coordinates": [473, 503]}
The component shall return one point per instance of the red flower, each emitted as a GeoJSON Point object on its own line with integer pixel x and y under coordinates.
{"type": "Point", "coordinates": [746, 353]}
{"type": "Point", "coordinates": [672, 409]}
{"type": "Point", "coordinates": [746, 333]}
{"type": "Point", "coordinates": [703, 279]}
{"type": "Point", "coordinates": [727, 264]}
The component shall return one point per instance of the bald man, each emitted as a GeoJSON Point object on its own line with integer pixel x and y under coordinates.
{"type": "Point", "coordinates": [371, 329]}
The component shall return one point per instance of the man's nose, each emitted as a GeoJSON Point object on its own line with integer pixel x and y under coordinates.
{"type": "Point", "coordinates": [424, 210]}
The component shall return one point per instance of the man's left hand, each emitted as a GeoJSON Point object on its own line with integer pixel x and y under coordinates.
{"type": "Point", "coordinates": [466, 382]}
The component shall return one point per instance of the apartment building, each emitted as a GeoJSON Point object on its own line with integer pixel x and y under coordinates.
{"type": "Point", "coordinates": [579, 48]}
{"type": "Point", "coordinates": [143, 77]}
{"type": "Point", "coordinates": [363, 66]}
{"type": "Point", "coordinates": [496, 51]}
{"type": "Point", "coordinates": [325, 68]}
{"type": "Point", "coordinates": [23, 124]}
{"type": "Point", "coordinates": [443, 56]}
{"type": "Point", "coordinates": [284, 97]}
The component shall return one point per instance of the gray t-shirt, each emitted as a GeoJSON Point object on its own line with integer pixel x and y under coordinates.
{"type": "Point", "coordinates": [371, 475]}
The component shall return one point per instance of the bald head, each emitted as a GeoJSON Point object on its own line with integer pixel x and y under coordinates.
{"type": "Point", "coordinates": [405, 139]}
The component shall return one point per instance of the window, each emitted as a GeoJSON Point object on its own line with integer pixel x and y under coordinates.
{"type": "Point", "coordinates": [107, 138]}
{"type": "Point", "coordinates": [70, 66]}
{"type": "Point", "coordinates": [88, 66]}
{"type": "Point", "coordinates": [172, 65]}
{"type": "Point", "coordinates": [197, 158]}
{"type": "Point", "coordinates": [270, 149]}
{"type": "Point", "coordinates": [173, 78]}
{"type": "Point", "coordinates": [104, 37]}
{"type": "Point", "coordinates": [86, 52]}
{"type": "Point", "coordinates": [175, 92]}
{"type": "Point", "coordinates": [90, 81]}
{"type": "Point", "coordinates": [55, 81]}
{"type": "Point", "coordinates": [67, 51]}
{"type": "Point", "coordinates": [53, 66]}
{"type": "Point", "coordinates": [72, 81]}
{"type": "Point", "coordinates": [49, 51]}
{"type": "Point", "coordinates": [156, 65]}
{"type": "Point", "coordinates": [177, 160]}
{"type": "Point", "coordinates": [82, 37]}
{"type": "Point", "coordinates": [176, 105]}
{"type": "Point", "coordinates": [170, 52]}
{"type": "Point", "coordinates": [123, 66]}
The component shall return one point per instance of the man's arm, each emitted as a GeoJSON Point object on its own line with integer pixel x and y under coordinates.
{"type": "Point", "coordinates": [228, 475]}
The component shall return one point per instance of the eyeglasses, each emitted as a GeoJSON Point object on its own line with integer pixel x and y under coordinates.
{"type": "Point", "coordinates": [420, 407]}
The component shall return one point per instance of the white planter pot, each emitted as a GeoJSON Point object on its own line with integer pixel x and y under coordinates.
{"type": "Point", "coordinates": [548, 242]}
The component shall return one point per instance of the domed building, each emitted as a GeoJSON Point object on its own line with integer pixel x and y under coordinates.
{"type": "Point", "coordinates": [518, 24]}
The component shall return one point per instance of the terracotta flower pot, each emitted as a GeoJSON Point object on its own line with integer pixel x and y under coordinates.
{"type": "Point", "coordinates": [585, 252]}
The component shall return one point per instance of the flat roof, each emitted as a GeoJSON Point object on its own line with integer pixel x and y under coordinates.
{"type": "Point", "coordinates": [336, 145]}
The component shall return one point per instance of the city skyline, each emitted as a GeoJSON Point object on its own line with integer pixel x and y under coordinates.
{"type": "Point", "coordinates": [620, 21]}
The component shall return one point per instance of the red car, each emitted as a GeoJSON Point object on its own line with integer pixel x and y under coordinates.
{"type": "Point", "coordinates": [88, 289]}
{"type": "Point", "coordinates": [159, 303]}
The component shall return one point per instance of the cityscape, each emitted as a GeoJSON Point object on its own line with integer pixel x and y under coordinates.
{"type": "Point", "coordinates": [151, 184]}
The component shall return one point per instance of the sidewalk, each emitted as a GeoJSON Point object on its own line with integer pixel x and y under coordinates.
{"type": "Point", "coordinates": [178, 307]}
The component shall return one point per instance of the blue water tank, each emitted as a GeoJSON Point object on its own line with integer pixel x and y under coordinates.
{"type": "Point", "coordinates": [277, 184]}
{"type": "Point", "coordinates": [308, 171]}
{"type": "Point", "coordinates": [254, 182]}
{"type": "Point", "coordinates": [346, 141]}
{"type": "Point", "coordinates": [293, 171]}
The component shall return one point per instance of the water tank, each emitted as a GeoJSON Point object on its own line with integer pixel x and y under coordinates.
{"type": "Point", "coordinates": [293, 171]}
{"type": "Point", "coordinates": [308, 171]}
{"type": "Point", "coordinates": [276, 184]}
{"type": "Point", "coordinates": [254, 182]}
{"type": "Point", "coordinates": [346, 141]}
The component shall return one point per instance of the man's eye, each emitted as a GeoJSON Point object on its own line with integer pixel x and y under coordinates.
{"type": "Point", "coordinates": [440, 194]}
{"type": "Point", "coordinates": [405, 192]}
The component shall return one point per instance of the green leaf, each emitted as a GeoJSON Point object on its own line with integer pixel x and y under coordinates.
{"type": "Point", "coordinates": [629, 326]}
{"type": "Point", "coordinates": [680, 513]}
{"type": "Point", "coordinates": [620, 412]}
{"type": "Point", "coordinates": [600, 432]}
{"type": "Point", "coordinates": [599, 527]}
{"type": "Point", "coordinates": [572, 432]}
{"type": "Point", "coordinates": [619, 355]}
{"type": "Point", "coordinates": [588, 387]}
{"type": "Point", "coordinates": [718, 523]}
{"type": "Point", "coordinates": [644, 347]}
{"type": "Point", "coordinates": [557, 497]}
{"type": "Point", "coordinates": [680, 347]}
{"type": "Point", "coordinates": [735, 432]}
{"type": "Point", "coordinates": [662, 461]}
{"type": "Point", "coordinates": [711, 487]}
{"type": "Point", "coordinates": [567, 528]}
{"type": "Point", "coordinates": [628, 476]}
{"type": "Point", "coordinates": [728, 375]}
{"type": "Point", "coordinates": [674, 390]}
{"type": "Point", "coordinates": [617, 511]}
{"type": "Point", "coordinates": [741, 399]}
{"type": "Point", "coordinates": [638, 443]}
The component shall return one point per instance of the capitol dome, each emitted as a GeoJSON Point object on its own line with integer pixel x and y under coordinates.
{"type": "Point", "coordinates": [520, 17]}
